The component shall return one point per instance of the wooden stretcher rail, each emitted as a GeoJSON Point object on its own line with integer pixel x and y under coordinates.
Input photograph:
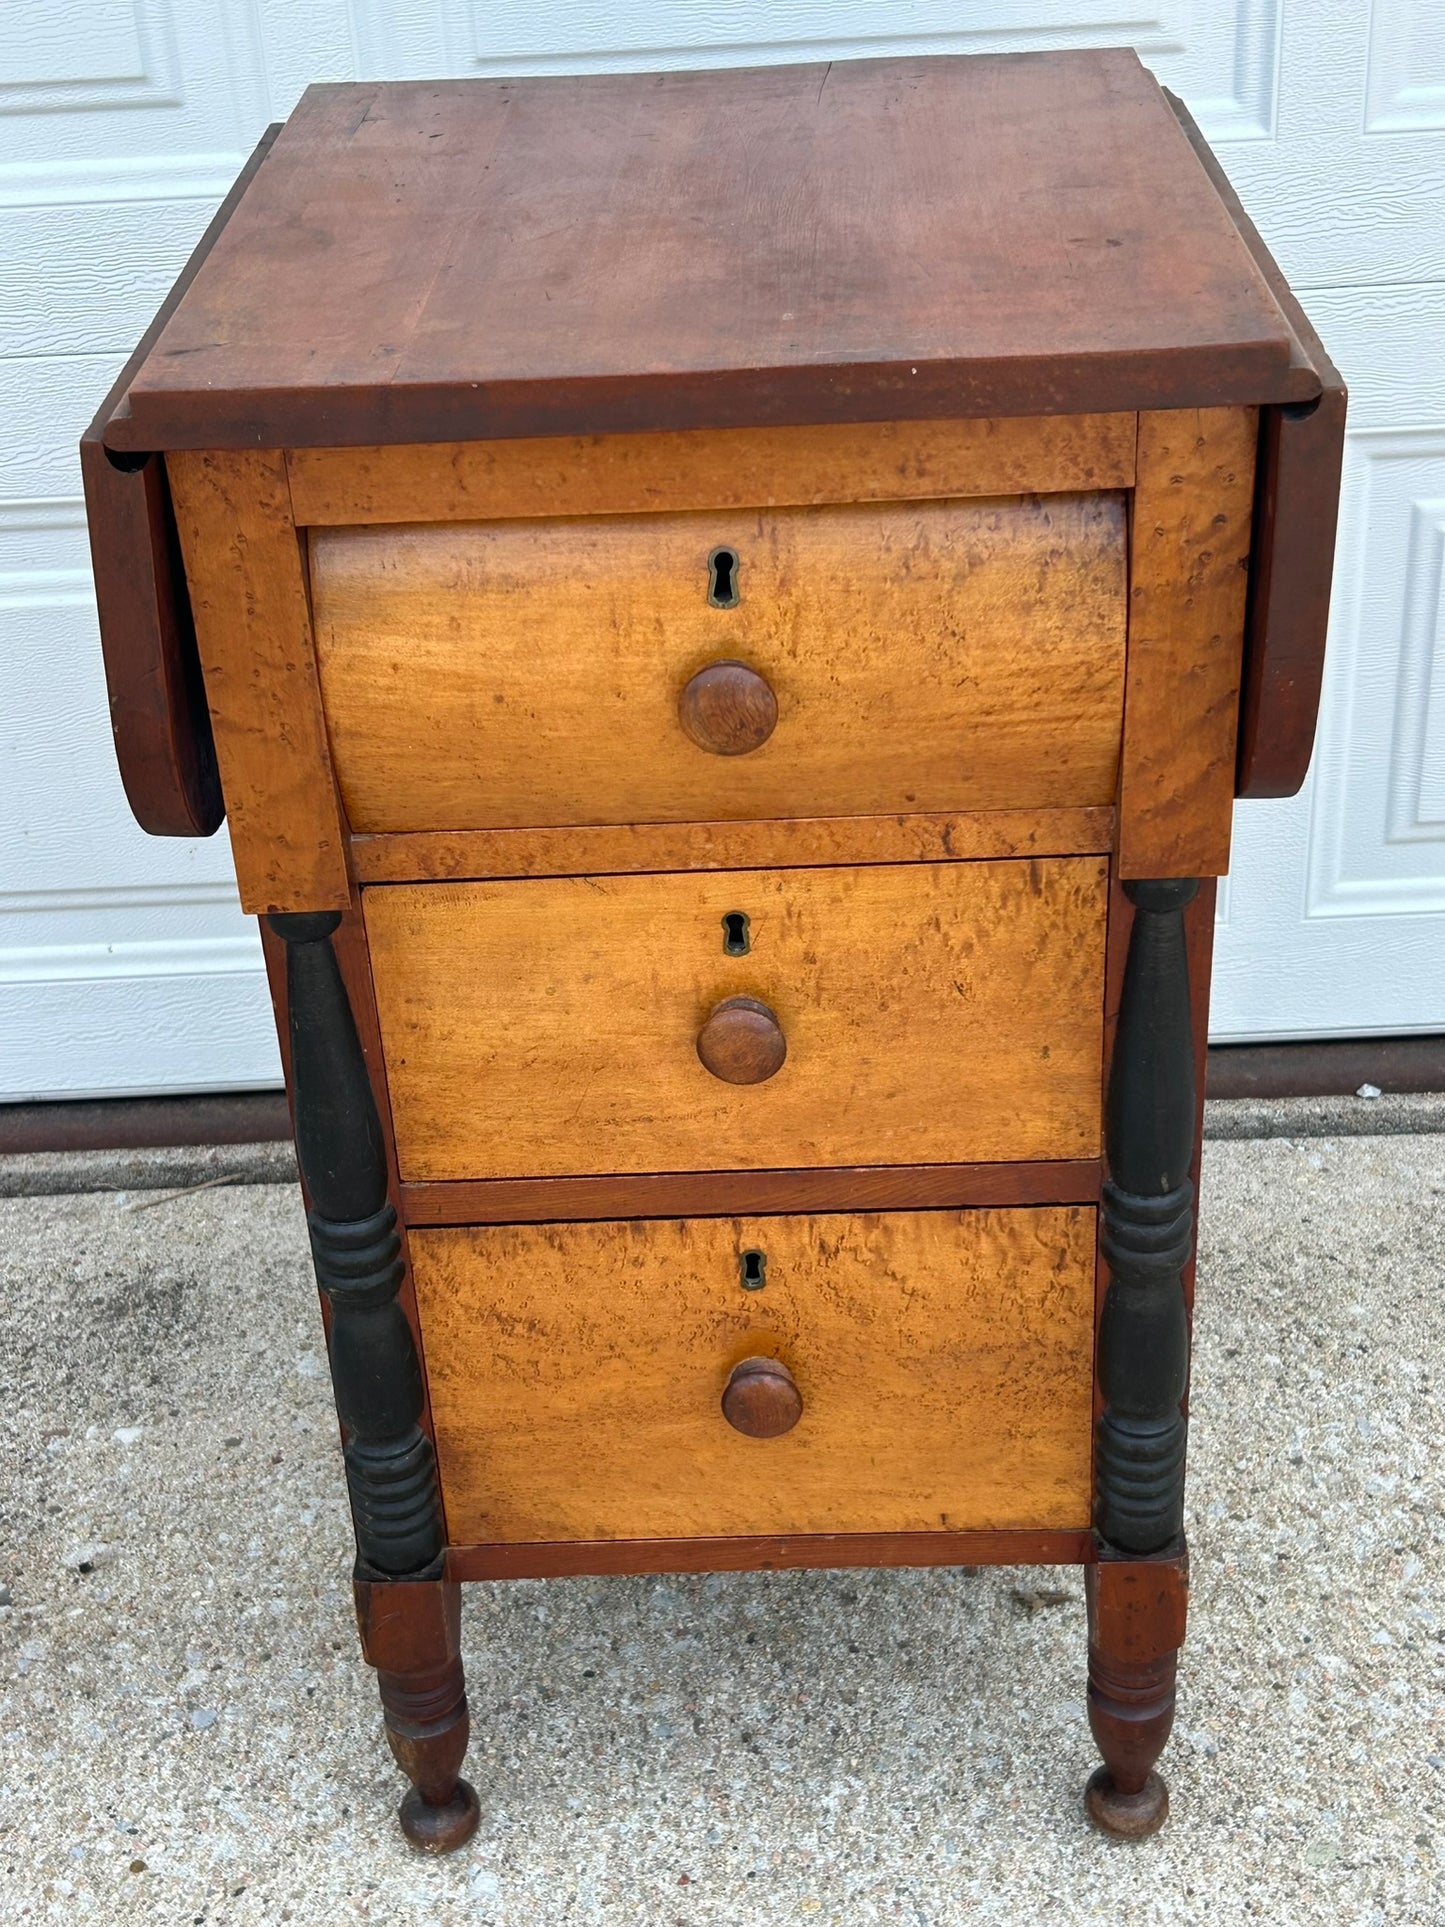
{"type": "Point", "coordinates": [818, 1551]}
{"type": "Point", "coordinates": [612, 849]}
{"type": "Point", "coordinates": [711, 469]}
{"type": "Point", "coordinates": [688, 1194]}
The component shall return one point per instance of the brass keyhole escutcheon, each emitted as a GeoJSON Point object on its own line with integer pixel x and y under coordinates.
{"type": "Point", "coordinates": [752, 1270]}
{"type": "Point", "coordinates": [722, 578]}
{"type": "Point", "coordinates": [737, 934]}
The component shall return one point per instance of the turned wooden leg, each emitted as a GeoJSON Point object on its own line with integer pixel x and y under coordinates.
{"type": "Point", "coordinates": [409, 1616]}
{"type": "Point", "coordinates": [1137, 1591]}
{"type": "Point", "coordinates": [1136, 1627]}
{"type": "Point", "coordinates": [411, 1633]}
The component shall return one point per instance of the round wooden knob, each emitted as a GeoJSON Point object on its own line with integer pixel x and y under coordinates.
{"type": "Point", "coordinates": [762, 1399]}
{"type": "Point", "coordinates": [742, 1042]}
{"type": "Point", "coordinates": [728, 709]}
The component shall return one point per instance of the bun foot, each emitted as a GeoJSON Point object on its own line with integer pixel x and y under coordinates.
{"type": "Point", "coordinates": [440, 1829]}
{"type": "Point", "coordinates": [1127, 1816]}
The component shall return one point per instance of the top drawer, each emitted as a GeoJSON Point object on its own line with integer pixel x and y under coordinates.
{"type": "Point", "coordinates": [930, 656]}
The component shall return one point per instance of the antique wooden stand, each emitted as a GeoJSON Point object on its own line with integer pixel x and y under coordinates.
{"type": "Point", "coordinates": [727, 613]}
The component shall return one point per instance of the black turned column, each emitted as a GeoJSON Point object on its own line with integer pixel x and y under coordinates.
{"type": "Point", "coordinates": [1143, 1362]}
{"type": "Point", "coordinates": [1143, 1354]}
{"type": "Point", "coordinates": [391, 1470]}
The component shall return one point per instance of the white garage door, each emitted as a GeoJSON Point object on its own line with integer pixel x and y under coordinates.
{"type": "Point", "coordinates": [124, 963]}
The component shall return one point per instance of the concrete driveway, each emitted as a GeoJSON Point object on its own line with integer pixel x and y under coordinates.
{"type": "Point", "coordinates": [189, 1735]}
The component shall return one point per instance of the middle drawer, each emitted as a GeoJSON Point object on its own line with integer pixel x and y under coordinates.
{"type": "Point", "coordinates": [896, 1014]}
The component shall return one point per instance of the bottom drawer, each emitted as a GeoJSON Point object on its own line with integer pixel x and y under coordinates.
{"type": "Point", "coordinates": [943, 1360]}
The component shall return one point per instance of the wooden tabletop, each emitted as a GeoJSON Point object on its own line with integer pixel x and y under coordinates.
{"type": "Point", "coordinates": [995, 234]}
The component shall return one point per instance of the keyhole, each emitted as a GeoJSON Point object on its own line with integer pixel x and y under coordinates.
{"type": "Point", "coordinates": [753, 1266]}
{"type": "Point", "coordinates": [736, 941]}
{"type": "Point", "coordinates": [722, 570]}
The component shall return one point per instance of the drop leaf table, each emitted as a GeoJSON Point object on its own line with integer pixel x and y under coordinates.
{"type": "Point", "coordinates": [726, 613]}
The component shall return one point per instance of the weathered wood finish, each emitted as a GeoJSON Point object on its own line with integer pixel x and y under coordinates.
{"type": "Point", "coordinates": [1148, 1233]}
{"type": "Point", "coordinates": [1301, 451]}
{"type": "Point", "coordinates": [1189, 558]}
{"type": "Point", "coordinates": [777, 1552]}
{"type": "Point", "coordinates": [735, 666]}
{"type": "Point", "coordinates": [411, 1633]}
{"type": "Point", "coordinates": [375, 1372]}
{"type": "Point", "coordinates": [934, 1013]}
{"type": "Point", "coordinates": [720, 468]}
{"type": "Point", "coordinates": [1301, 455]}
{"type": "Point", "coordinates": [158, 716]}
{"type": "Point", "coordinates": [253, 628]}
{"type": "Point", "coordinates": [1137, 1611]}
{"type": "Point", "coordinates": [704, 1194]}
{"type": "Point", "coordinates": [164, 747]}
{"type": "Point", "coordinates": [658, 282]}
{"type": "Point", "coordinates": [943, 1358]}
{"type": "Point", "coordinates": [943, 656]}
{"type": "Point", "coordinates": [803, 843]}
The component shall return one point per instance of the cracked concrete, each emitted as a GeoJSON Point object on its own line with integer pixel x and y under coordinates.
{"type": "Point", "coordinates": [189, 1735]}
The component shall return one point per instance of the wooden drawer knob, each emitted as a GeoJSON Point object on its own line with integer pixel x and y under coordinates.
{"type": "Point", "coordinates": [742, 1042]}
{"type": "Point", "coordinates": [728, 709]}
{"type": "Point", "coordinates": [762, 1399]}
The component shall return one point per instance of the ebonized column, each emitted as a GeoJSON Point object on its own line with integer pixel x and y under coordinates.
{"type": "Point", "coordinates": [391, 1469]}
{"type": "Point", "coordinates": [1143, 1344]}
{"type": "Point", "coordinates": [1143, 1367]}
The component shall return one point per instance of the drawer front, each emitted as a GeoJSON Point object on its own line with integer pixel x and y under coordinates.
{"type": "Point", "coordinates": [929, 1013]}
{"type": "Point", "coordinates": [942, 1360]}
{"type": "Point", "coordinates": [918, 656]}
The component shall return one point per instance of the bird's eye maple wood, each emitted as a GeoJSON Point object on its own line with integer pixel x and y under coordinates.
{"type": "Point", "coordinates": [955, 655]}
{"type": "Point", "coordinates": [932, 1011]}
{"type": "Point", "coordinates": [726, 612]}
{"type": "Point", "coordinates": [943, 1361]}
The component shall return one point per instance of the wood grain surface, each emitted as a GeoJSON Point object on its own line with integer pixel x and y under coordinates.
{"type": "Point", "coordinates": [769, 1552]}
{"type": "Point", "coordinates": [725, 468]}
{"type": "Point", "coordinates": [1138, 1608]}
{"type": "Point", "coordinates": [943, 1358]}
{"type": "Point", "coordinates": [741, 1041]}
{"type": "Point", "coordinates": [761, 1398]}
{"type": "Point", "coordinates": [1301, 456]}
{"type": "Point", "coordinates": [933, 1013]}
{"type": "Point", "coordinates": [252, 614]}
{"type": "Point", "coordinates": [153, 676]}
{"type": "Point", "coordinates": [803, 843]}
{"type": "Point", "coordinates": [939, 656]}
{"type": "Point", "coordinates": [158, 715]}
{"type": "Point", "coordinates": [728, 709]}
{"type": "Point", "coordinates": [701, 1194]}
{"type": "Point", "coordinates": [437, 261]}
{"type": "Point", "coordinates": [1297, 491]}
{"type": "Point", "coordinates": [1189, 575]}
